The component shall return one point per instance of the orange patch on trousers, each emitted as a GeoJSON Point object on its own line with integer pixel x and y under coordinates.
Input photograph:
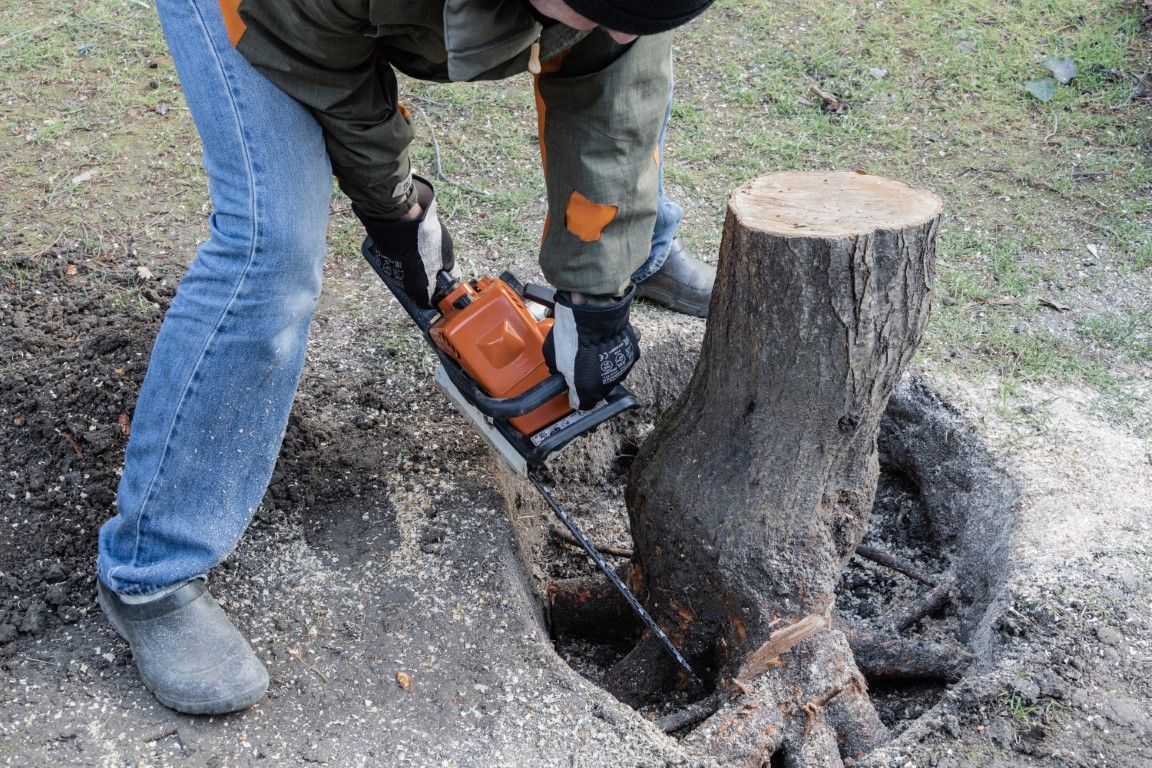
{"type": "Point", "coordinates": [587, 219]}
{"type": "Point", "coordinates": [232, 21]}
{"type": "Point", "coordinates": [551, 65]}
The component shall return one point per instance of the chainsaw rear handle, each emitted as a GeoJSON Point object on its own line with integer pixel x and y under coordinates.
{"type": "Point", "coordinates": [502, 407]}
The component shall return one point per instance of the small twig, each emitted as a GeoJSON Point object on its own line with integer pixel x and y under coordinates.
{"type": "Point", "coordinates": [978, 171]}
{"type": "Point", "coordinates": [72, 442]}
{"type": "Point", "coordinates": [832, 102]}
{"type": "Point", "coordinates": [163, 733]}
{"type": "Point", "coordinates": [296, 654]}
{"type": "Point", "coordinates": [38, 661]}
{"type": "Point", "coordinates": [30, 31]}
{"type": "Point", "coordinates": [1088, 175]}
{"type": "Point", "coordinates": [607, 549]}
{"type": "Point", "coordinates": [902, 618]}
{"type": "Point", "coordinates": [692, 714]}
{"type": "Point", "coordinates": [883, 558]}
{"type": "Point", "coordinates": [439, 165]}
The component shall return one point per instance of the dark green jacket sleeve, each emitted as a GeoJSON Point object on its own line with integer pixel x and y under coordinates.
{"type": "Point", "coordinates": [601, 113]}
{"type": "Point", "coordinates": [324, 54]}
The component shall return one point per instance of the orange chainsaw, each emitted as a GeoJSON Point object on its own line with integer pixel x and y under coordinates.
{"type": "Point", "coordinates": [489, 341]}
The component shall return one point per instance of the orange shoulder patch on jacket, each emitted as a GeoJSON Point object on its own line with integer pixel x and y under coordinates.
{"type": "Point", "coordinates": [587, 219]}
{"type": "Point", "coordinates": [232, 21]}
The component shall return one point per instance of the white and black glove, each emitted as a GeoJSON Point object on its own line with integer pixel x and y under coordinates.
{"type": "Point", "coordinates": [412, 253]}
{"type": "Point", "coordinates": [593, 347]}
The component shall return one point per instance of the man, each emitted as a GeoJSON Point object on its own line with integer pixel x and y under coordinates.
{"type": "Point", "coordinates": [283, 93]}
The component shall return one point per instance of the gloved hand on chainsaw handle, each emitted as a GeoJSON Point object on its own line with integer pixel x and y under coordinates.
{"type": "Point", "coordinates": [593, 346]}
{"type": "Point", "coordinates": [412, 251]}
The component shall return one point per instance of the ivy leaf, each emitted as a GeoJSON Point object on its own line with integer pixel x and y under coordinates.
{"type": "Point", "coordinates": [1043, 90]}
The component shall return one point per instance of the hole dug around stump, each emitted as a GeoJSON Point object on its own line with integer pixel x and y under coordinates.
{"type": "Point", "coordinates": [943, 511]}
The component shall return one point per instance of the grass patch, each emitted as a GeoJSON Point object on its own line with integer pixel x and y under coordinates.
{"type": "Point", "coordinates": [930, 93]}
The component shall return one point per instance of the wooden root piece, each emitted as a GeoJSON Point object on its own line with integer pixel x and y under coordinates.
{"type": "Point", "coordinates": [904, 617]}
{"type": "Point", "coordinates": [884, 558]}
{"type": "Point", "coordinates": [692, 714]}
{"type": "Point", "coordinates": [881, 655]}
{"type": "Point", "coordinates": [605, 549]}
{"type": "Point", "coordinates": [779, 642]}
{"type": "Point", "coordinates": [645, 670]}
{"type": "Point", "coordinates": [814, 710]}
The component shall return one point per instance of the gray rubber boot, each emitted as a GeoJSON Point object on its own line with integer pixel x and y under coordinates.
{"type": "Point", "coordinates": [187, 652]}
{"type": "Point", "coordinates": [683, 283]}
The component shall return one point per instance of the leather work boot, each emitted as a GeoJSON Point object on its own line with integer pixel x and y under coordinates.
{"type": "Point", "coordinates": [187, 652]}
{"type": "Point", "coordinates": [683, 283]}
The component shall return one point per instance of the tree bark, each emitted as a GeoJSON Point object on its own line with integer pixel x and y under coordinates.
{"type": "Point", "coordinates": [753, 491]}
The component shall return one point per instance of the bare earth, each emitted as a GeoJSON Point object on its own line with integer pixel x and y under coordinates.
{"type": "Point", "coordinates": [384, 584]}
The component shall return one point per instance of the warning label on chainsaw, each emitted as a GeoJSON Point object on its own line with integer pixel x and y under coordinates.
{"type": "Point", "coordinates": [563, 424]}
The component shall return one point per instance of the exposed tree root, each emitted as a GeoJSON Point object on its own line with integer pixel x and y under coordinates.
{"type": "Point", "coordinates": [813, 708]}
{"type": "Point", "coordinates": [904, 617]}
{"type": "Point", "coordinates": [645, 671]}
{"type": "Point", "coordinates": [692, 714]}
{"type": "Point", "coordinates": [605, 549]}
{"type": "Point", "coordinates": [882, 655]}
{"type": "Point", "coordinates": [891, 561]}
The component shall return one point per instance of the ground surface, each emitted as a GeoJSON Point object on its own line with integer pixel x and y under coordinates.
{"type": "Point", "coordinates": [384, 551]}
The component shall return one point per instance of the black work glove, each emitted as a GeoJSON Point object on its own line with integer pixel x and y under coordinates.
{"type": "Point", "coordinates": [594, 347]}
{"type": "Point", "coordinates": [411, 253]}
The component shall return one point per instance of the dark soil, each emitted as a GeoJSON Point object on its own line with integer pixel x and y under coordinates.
{"type": "Point", "coordinates": [82, 329]}
{"type": "Point", "coordinates": [72, 365]}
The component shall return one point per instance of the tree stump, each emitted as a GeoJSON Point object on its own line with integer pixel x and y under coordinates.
{"type": "Point", "coordinates": [752, 492]}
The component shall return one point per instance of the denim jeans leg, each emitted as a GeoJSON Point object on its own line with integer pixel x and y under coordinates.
{"type": "Point", "coordinates": [668, 213]}
{"type": "Point", "coordinates": [225, 366]}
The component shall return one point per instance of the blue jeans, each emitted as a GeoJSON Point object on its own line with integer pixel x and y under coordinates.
{"type": "Point", "coordinates": [226, 364]}
{"type": "Point", "coordinates": [668, 214]}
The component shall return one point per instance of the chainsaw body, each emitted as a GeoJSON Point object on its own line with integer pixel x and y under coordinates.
{"type": "Point", "coordinates": [490, 346]}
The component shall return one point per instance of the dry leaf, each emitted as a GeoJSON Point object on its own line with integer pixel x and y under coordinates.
{"type": "Point", "coordinates": [70, 270]}
{"type": "Point", "coordinates": [404, 680]}
{"type": "Point", "coordinates": [18, 421]}
{"type": "Point", "coordinates": [125, 424]}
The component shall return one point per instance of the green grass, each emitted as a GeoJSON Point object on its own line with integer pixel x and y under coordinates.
{"type": "Point", "coordinates": [932, 94]}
